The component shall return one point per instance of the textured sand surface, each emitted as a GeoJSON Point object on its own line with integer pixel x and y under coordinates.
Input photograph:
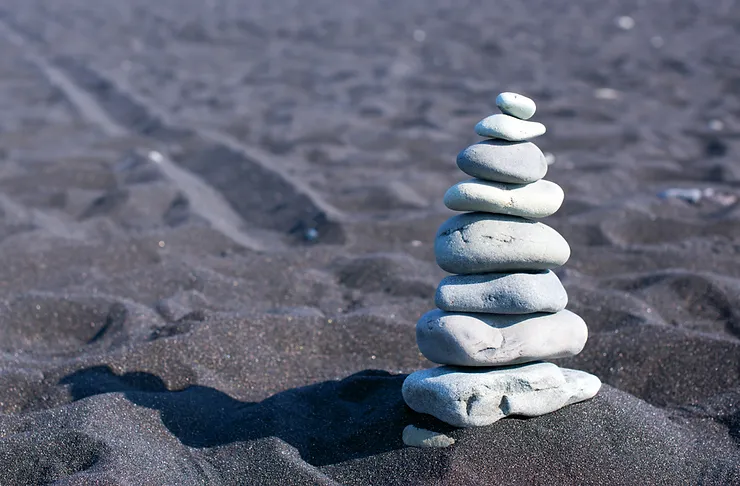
{"type": "Point", "coordinates": [164, 320]}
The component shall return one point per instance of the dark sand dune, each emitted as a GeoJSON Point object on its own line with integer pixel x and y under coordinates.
{"type": "Point", "coordinates": [216, 225]}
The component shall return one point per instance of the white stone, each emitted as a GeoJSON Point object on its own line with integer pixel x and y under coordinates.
{"type": "Point", "coordinates": [625, 22]}
{"type": "Point", "coordinates": [502, 293]}
{"type": "Point", "coordinates": [496, 340]}
{"type": "Point", "coordinates": [418, 437]}
{"type": "Point", "coordinates": [506, 127]}
{"type": "Point", "coordinates": [516, 105]}
{"type": "Point", "coordinates": [502, 161]}
{"type": "Point", "coordinates": [477, 397]}
{"type": "Point", "coordinates": [716, 125]}
{"type": "Point", "coordinates": [606, 94]}
{"type": "Point", "coordinates": [486, 243]}
{"type": "Point", "coordinates": [536, 200]}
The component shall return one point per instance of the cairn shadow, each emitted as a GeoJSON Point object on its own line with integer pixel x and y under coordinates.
{"type": "Point", "coordinates": [328, 422]}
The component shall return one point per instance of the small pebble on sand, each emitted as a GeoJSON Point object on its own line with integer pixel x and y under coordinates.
{"type": "Point", "coordinates": [692, 195]}
{"type": "Point", "coordinates": [625, 22]}
{"type": "Point", "coordinates": [606, 94]}
{"type": "Point", "coordinates": [418, 437]}
{"type": "Point", "coordinates": [716, 125]}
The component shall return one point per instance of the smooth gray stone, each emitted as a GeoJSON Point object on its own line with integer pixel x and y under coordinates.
{"type": "Point", "coordinates": [497, 339]}
{"type": "Point", "coordinates": [485, 243]}
{"type": "Point", "coordinates": [516, 105]}
{"type": "Point", "coordinates": [536, 200]}
{"type": "Point", "coordinates": [506, 127]}
{"type": "Point", "coordinates": [501, 161]}
{"type": "Point", "coordinates": [476, 397]}
{"type": "Point", "coordinates": [502, 293]}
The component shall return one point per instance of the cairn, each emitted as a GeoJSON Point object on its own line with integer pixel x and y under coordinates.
{"type": "Point", "coordinates": [503, 310]}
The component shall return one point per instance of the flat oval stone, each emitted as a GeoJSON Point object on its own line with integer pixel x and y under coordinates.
{"type": "Point", "coordinates": [502, 293]}
{"type": "Point", "coordinates": [516, 105]}
{"type": "Point", "coordinates": [465, 397]}
{"type": "Point", "coordinates": [486, 243]}
{"type": "Point", "coordinates": [501, 161]}
{"type": "Point", "coordinates": [497, 339]}
{"type": "Point", "coordinates": [507, 127]}
{"type": "Point", "coordinates": [536, 200]}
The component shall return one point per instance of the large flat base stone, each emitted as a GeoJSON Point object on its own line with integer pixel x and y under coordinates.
{"type": "Point", "coordinates": [466, 397]}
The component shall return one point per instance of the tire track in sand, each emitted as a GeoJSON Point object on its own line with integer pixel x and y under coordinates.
{"type": "Point", "coordinates": [243, 187]}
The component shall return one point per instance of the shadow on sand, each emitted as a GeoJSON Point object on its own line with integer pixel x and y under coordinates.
{"type": "Point", "coordinates": [327, 422]}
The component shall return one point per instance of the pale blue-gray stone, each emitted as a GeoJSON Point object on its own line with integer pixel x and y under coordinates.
{"type": "Point", "coordinates": [465, 397]}
{"type": "Point", "coordinates": [536, 200]}
{"type": "Point", "coordinates": [502, 293]}
{"type": "Point", "coordinates": [486, 243]}
{"type": "Point", "coordinates": [418, 437]}
{"type": "Point", "coordinates": [463, 339]}
{"type": "Point", "coordinates": [516, 105]}
{"type": "Point", "coordinates": [501, 161]}
{"type": "Point", "coordinates": [506, 127]}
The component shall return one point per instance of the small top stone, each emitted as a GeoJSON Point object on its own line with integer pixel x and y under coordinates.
{"type": "Point", "coordinates": [516, 105]}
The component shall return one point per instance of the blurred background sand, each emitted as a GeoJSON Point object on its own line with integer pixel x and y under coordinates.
{"type": "Point", "coordinates": [204, 204]}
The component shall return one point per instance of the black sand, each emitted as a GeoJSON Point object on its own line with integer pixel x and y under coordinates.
{"type": "Point", "coordinates": [216, 224]}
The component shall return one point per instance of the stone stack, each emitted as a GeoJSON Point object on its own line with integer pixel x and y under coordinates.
{"type": "Point", "coordinates": [504, 309]}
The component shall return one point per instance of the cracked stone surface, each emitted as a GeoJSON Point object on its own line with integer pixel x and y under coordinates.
{"type": "Point", "coordinates": [480, 242]}
{"type": "Point", "coordinates": [466, 397]}
{"type": "Point", "coordinates": [495, 339]}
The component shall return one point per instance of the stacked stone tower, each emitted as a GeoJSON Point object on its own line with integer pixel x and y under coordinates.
{"type": "Point", "coordinates": [503, 310]}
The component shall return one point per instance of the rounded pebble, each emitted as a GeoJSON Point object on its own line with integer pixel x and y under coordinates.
{"type": "Point", "coordinates": [507, 127]}
{"type": "Point", "coordinates": [502, 293]}
{"type": "Point", "coordinates": [418, 437]}
{"type": "Point", "coordinates": [478, 397]}
{"type": "Point", "coordinates": [516, 105]}
{"type": "Point", "coordinates": [485, 243]}
{"type": "Point", "coordinates": [499, 340]}
{"type": "Point", "coordinates": [536, 200]}
{"type": "Point", "coordinates": [501, 161]}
